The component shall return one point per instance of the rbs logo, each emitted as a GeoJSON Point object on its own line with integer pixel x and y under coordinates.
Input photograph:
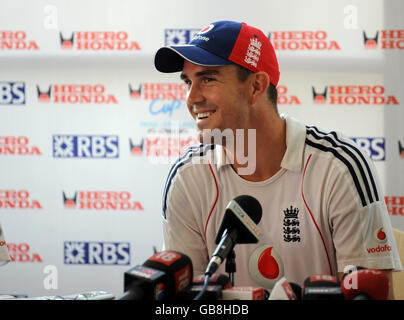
{"type": "Point", "coordinates": [110, 253]}
{"type": "Point", "coordinates": [68, 146]}
{"type": "Point", "coordinates": [374, 147]}
{"type": "Point", "coordinates": [12, 93]}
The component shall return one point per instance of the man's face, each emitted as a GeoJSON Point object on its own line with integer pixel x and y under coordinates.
{"type": "Point", "coordinates": [216, 98]}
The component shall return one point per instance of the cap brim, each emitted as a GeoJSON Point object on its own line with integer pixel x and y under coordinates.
{"type": "Point", "coordinates": [171, 58]}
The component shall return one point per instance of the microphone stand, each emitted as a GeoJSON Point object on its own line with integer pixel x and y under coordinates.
{"type": "Point", "coordinates": [231, 265]}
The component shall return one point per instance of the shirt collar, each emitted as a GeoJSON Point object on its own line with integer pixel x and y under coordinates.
{"type": "Point", "coordinates": [295, 142]}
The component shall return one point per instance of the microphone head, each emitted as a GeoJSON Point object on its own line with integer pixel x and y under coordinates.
{"type": "Point", "coordinates": [322, 287]}
{"type": "Point", "coordinates": [265, 266]}
{"type": "Point", "coordinates": [283, 290]}
{"type": "Point", "coordinates": [296, 289]}
{"type": "Point", "coordinates": [349, 269]}
{"type": "Point", "coordinates": [369, 282]}
{"type": "Point", "coordinates": [242, 213]}
{"type": "Point", "coordinates": [251, 206]}
{"type": "Point", "coordinates": [177, 268]}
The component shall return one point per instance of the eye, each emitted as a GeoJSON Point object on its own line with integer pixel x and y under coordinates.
{"type": "Point", "coordinates": [188, 83]}
{"type": "Point", "coordinates": [207, 80]}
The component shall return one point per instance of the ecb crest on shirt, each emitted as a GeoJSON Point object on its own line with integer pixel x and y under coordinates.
{"type": "Point", "coordinates": [291, 225]}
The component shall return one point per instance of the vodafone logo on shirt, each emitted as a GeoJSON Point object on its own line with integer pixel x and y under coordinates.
{"type": "Point", "coordinates": [380, 236]}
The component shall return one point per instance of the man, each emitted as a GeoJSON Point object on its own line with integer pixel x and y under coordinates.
{"type": "Point", "coordinates": [321, 200]}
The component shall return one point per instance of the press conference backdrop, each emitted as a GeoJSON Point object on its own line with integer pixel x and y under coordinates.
{"type": "Point", "coordinates": [89, 129]}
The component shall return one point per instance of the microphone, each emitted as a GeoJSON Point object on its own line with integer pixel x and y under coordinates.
{"type": "Point", "coordinates": [244, 293]}
{"type": "Point", "coordinates": [239, 225]}
{"type": "Point", "coordinates": [265, 266]}
{"type": "Point", "coordinates": [162, 277]}
{"type": "Point", "coordinates": [284, 290]}
{"type": "Point", "coordinates": [216, 284]}
{"type": "Point", "coordinates": [215, 279]}
{"type": "Point", "coordinates": [366, 284]}
{"type": "Point", "coordinates": [322, 287]}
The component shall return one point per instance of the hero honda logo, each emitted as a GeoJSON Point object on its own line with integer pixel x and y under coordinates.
{"type": "Point", "coordinates": [302, 40]}
{"type": "Point", "coordinates": [12, 93]}
{"type": "Point", "coordinates": [384, 39]}
{"type": "Point", "coordinates": [19, 146]}
{"type": "Point", "coordinates": [18, 199]}
{"type": "Point", "coordinates": [165, 97]}
{"type": "Point", "coordinates": [75, 93]}
{"type": "Point", "coordinates": [85, 146]}
{"type": "Point", "coordinates": [98, 40]}
{"type": "Point", "coordinates": [16, 40]}
{"type": "Point", "coordinates": [21, 252]}
{"type": "Point", "coordinates": [163, 145]}
{"type": "Point", "coordinates": [395, 205]}
{"type": "Point", "coordinates": [101, 200]}
{"type": "Point", "coordinates": [353, 95]}
{"type": "Point", "coordinates": [97, 253]}
{"type": "Point", "coordinates": [285, 98]}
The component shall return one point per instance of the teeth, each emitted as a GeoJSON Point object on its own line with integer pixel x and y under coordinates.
{"type": "Point", "coordinates": [203, 115]}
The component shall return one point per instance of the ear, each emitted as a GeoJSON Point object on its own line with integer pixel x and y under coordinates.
{"type": "Point", "coordinates": [260, 84]}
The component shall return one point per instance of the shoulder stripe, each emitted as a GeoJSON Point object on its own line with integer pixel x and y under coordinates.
{"type": "Point", "coordinates": [358, 152]}
{"type": "Point", "coordinates": [344, 152]}
{"type": "Point", "coordinates": [191, 152]}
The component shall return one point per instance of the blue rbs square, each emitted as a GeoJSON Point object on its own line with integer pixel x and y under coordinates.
{"type": "Point", "coordinates": [12, 93]}
{"type": "Point", "coordinates": [85, 146]}
{"type": "Point", "coordinates": [97, 253]}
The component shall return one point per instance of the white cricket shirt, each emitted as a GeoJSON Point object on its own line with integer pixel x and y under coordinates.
{"type": "Point", "coordinates": [322, 211]}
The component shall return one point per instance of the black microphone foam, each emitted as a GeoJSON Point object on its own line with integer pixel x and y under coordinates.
{"type": "Point", "coordinates": [251, 206]}
{"type": "Point", "coordinates": [250, 210]}
{"type": "Point", "coordinates": [296, 289]}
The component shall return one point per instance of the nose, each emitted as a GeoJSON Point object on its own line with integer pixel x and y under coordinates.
{"type": "Point", "coordinates": [194, 96]}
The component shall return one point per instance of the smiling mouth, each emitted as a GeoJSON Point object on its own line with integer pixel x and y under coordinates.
{"type": "Point", "coordinates": [204, 115]}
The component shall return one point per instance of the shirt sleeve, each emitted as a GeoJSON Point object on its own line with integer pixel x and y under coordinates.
{"type": "Point", "coordinates": [181, 230]}
{"type": "Point", "coordinates": [362, 233]}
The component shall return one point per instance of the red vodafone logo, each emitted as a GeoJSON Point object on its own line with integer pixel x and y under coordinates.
{"type": "Point", "coordinates": [206, 29]}
{"type": "Point", "coordinates": [267, 264]}
{"type": "Point", "coordinates": [380, 235]}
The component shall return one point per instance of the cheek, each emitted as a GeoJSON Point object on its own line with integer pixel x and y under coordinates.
{"type": "Point", "coordinates": [190, 109]}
